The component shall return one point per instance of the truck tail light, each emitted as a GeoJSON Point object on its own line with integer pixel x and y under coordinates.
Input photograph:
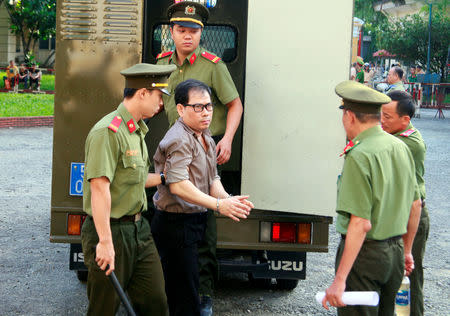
{"type": "Point", "coordinates": [304, 233]}
{"type": "Point", "coordinates": [284, 232]}
{"type": "Point", "coordinates": [74, 223]}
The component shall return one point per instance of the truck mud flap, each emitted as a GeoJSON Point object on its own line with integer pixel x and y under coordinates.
{"type": "Point", "coordinates": [76, 260]}
{"type": "Point", "coordinates": [279, 265]}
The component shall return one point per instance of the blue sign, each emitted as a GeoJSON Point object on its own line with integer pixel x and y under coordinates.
{"type": "Point", "coordinates": [76, 178]}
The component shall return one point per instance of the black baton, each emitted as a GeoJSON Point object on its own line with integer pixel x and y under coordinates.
{"type": "Point", "coordinates": [121, 293]}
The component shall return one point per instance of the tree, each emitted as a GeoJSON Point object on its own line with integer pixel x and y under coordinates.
{"type": "Point", "coordinates": [31, 20]}
{"type": "Point", "coordinates": [408, 39]}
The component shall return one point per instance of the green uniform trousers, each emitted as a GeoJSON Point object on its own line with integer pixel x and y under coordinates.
{"type": "Point", "coordinates": [137, 267]}
{"type": "Point", "coordinates": [416, 277]}
{"type": "Point", "coordinates": [379, 267]}
{"type": "Point", "coordinates": [207, 260]}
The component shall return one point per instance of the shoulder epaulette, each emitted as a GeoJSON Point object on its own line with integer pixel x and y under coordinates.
{"type": "Point", "coordinates": [211, 57]}
{"type": "Point", "coordinates": [162, 55]}
{"type": "Point", "coordinates": [408, 133]}
{"type": "Point", "coordinates": [349, 147]}
{"type": "Point", "coordinates": [115, 123]}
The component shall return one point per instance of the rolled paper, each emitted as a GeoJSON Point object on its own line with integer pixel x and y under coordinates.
{"type": "Point", "coordinates": [370, 298]}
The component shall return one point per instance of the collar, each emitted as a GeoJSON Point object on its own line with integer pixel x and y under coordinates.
{"type": "Point", "coordinates": [191, 58]}
{"type": "Point", "coordinates": [410, 126]}
{"type": "Point", "coordinates": [375, 130]}
{"type": "Point", "coordinates": [190, 130]}
{"type": "Point", "coordinates": [130, 122]}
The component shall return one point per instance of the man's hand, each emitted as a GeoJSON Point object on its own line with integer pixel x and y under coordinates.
{"type": "Point", "coordinates": [105, 255]}
{"type": "Point", "coordinates": [333, 294]}
{"type": "Point", "coordinates": [409, 263]}
{"type": "Point", "coordinates": [223, 150]}
{"type": "Point", "coordinates": [235, 207]}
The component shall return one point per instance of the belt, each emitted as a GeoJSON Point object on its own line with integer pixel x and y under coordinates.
{"type": "Point", "coordinates": [127, 218]}
{"type": "Point", "coordinates": [394, 238]}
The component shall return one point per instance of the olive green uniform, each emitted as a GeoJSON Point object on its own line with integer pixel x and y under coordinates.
{"type": "Point", "coordinates": [413, 139]}
{"type": "Point", "coordinates": [208, 68]}
{"type": "Point", "coordinates": [378, 184]}
{"type": "Point", "coordinates": [396, 86]}
{"type": "Point", "coordinates": [360, 76]}
{"type": "Point", "coordinates": [115, 148]}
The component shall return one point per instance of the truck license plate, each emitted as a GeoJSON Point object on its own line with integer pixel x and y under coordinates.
{"type": "Point", "coordinates": [76, 178]}
{"type": "Point", "coordinates": [284, 265]}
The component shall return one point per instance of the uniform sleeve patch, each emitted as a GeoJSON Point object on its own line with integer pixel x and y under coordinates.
{"type": "Point", "coordinates": [211, 57]}
{"type": "Point", "coordinates": [162, 55]}
{"type": "Point", "coordinates": [407, 133]}
{"type": "Point", "coordinates": [115, 123]}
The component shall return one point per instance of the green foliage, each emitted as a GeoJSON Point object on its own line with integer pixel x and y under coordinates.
{"type": "Point", "coordinates": [408, 39]}
{"type": "Point", "coordinates": [47, 82]}
{"type": "Point", "coordinates": [21, 104]}
{"type": "Point", "coordinates": [32, 20]}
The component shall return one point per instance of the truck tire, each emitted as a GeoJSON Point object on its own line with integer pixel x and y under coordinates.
{"type": "Point", "coordinates": [286, 284]}
{"type": "Point", "coordinates": [82, 275]}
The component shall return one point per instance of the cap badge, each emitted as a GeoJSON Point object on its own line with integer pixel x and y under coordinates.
{"type": "Point", "coordinates": [189, 10]}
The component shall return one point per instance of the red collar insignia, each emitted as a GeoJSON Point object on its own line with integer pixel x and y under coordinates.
{"type": "Point", "coordinates": [193, 58]}
{"type": "Point", "coordinates": [131, 126]}
{"type": "Point", "coordinates": [407, 133]}
{"type": "Point", "coordinates": [349, 147]}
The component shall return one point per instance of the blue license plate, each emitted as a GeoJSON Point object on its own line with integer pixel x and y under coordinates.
{"type": "Point", "coordinates": [76, 178]}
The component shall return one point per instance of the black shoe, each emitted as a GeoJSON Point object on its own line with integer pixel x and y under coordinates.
{"type": "Point", "coordinates": [206, 305]}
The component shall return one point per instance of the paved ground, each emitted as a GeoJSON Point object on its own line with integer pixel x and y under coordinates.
{"type": "Point", "coordinates": [34, 275]}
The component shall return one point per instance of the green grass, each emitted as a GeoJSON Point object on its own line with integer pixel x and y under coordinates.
{"type": "Point", "coordinates": [26, 104]}
{"type": "Point", "coordinates": [47, 82]}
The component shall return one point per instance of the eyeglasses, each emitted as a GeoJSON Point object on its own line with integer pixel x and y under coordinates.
{"type": "Point", "coordinates": [199, 107]}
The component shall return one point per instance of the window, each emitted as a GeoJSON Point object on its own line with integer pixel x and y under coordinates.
{"type": "Point", "coordinates": [219, 39]}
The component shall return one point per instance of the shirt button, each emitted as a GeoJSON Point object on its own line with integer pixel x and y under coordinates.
{"type": "Point", "coordinates": [181, 70]}
{"type": "Point", "coordinates": [134, 166]}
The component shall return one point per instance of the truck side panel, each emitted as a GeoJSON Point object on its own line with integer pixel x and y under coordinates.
{"type": "Point", "coordinates": [292, 136]}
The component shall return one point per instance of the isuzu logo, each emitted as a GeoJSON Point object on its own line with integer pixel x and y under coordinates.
{"type": "Point", "coordinates": [284, 265]}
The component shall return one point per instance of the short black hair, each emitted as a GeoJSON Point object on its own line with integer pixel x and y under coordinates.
{"type": "Point", "coordinates": [129, 93]}
{"type": "Point", "coordinates": [419, 66]}
{"type": "Point", "coordinates": [405, 103]}
{"type": "Point", "coordinates": [399, 72]}
{"type": "Point", "coordinates": [183, 89]}
{"type": "Point", "coordinates": [367, 117]}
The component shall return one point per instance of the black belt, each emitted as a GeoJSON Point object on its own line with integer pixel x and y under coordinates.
{"type": "Point", "coordinates": [394, 238]}
{"type": "Point", "coordinates": [127, 218]}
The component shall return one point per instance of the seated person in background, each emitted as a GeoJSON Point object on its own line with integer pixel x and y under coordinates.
{"type": "Point", "coordinates": [24, 75]}
{"type": "Point", "coordinates": [35, 77]}
{"type": "Point", "coordinates": [11, 72]}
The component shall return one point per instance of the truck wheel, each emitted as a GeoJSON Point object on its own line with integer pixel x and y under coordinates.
{"type": "Point", "coordinates": [285, 284]}
{"type": "Point", "coordinates": [82, 275]}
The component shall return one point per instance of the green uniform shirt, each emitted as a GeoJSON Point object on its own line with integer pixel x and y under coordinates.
{"type": "Point", "coordinates": [396, 86]}
{"type": "Point", "coordinates": [360, 76]}
{"type": "Point", "coordinates": [120, 156]}
{"type": "Point", "coordinates": [215, 75]}
{"type": "Point", "coordinates": [413, 139]}
{"type": "Point", "coordinates": [377, 183]}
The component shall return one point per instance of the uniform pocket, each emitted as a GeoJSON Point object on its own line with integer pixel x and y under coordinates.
{"type": "Point", "coordinates": [133, 168]}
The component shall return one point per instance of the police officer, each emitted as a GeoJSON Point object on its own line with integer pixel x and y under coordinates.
{"type": "Point", "coordinates": [359, 69]}
{"type": "Point", "coordinates": [187, 20]}
{"type": "Point", "coordinates": [396, 120]}
{"type": "Point", "coordinates": [116, 172]}
{"type": "Point", "coordinates": [394, 78]}
{"type": "Point", "coordinates": [375, 192]}
{"type": "Point", "coordinates": [187, 152]}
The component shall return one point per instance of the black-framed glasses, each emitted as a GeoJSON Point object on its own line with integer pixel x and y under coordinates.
{"type": "Point", "coordinates": [198, 107]}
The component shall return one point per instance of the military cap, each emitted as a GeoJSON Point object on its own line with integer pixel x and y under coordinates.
{"type": "Point", "coordinates": [360, 60]}
{"type": "Point", "coordinates": [148, 76]}
{"type": "Point", "coordinates": [188, 14]}
{"type": "Point", "coordinates": [360, 98]}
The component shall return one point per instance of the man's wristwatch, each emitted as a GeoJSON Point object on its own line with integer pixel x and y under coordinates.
{"type": "Point", "coordinates": [163, 178]}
